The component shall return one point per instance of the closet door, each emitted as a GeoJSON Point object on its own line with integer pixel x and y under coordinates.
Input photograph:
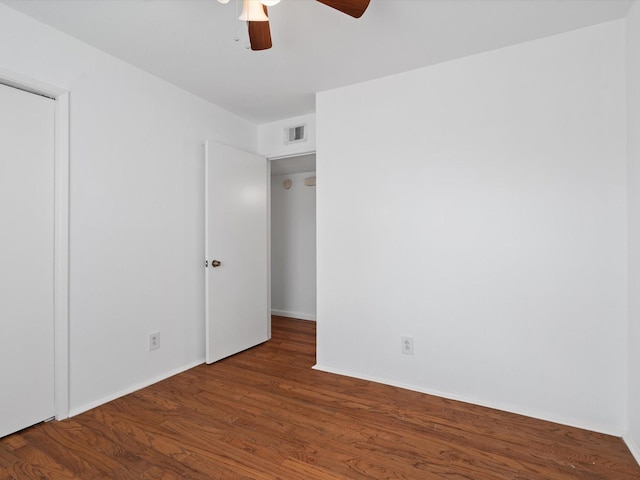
{"type": "Point", "coordinates": [26, 259]}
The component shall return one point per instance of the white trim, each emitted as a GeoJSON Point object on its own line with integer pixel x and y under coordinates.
{"type": "Point", "coordinates": [594, 427]}
{"type": "Point", "coordinates": [61, 231]}
{"type": "Point", "coordinates": [632, 446]}
{"type": "Point", "coordinates": [268, 180]}
{"type": "Point", "coordinates": [282, 155]}
{"type": "Point", "coordinates": [30, 85]}
{"type": "Point", "coordinates": [61, 257]}
{"type": "Point", "coordinates": [134, 388]}
{"type": "Point", "coordinates": [207, 326]}
{"type": "Point", "coordinates": [298, 315]}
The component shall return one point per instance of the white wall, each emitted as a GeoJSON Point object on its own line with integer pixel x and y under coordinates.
{"type": "Point", "coordinates": [479, 206]}
{"type": "Point", "coordinates": [633, 143]}
{"type": "Point", "coordinates": [136, 213]}
{"type": "Point", "coordinates": [293, 247]}
{"type": "Point", "coordinates": [271, 137]}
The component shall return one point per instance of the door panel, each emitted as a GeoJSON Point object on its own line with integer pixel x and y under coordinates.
{"type": "Point", "coordinates": [237, 314]}
{"type": "Point", "coordinates": [26, 259]}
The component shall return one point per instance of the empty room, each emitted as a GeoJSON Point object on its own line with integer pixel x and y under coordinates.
{"type": "Point", "coordinates": [320, 239]}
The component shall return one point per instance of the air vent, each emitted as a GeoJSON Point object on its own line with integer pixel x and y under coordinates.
{"type": "Point", "coordinates": [295, 134]}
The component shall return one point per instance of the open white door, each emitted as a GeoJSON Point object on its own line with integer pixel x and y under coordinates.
{"type": "Point", "coordinates": [27, 259]}
{"type": "Point", "coordinates": [236, 251]}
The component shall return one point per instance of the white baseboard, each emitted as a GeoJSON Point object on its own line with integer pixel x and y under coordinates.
{"type": "Point", "coordinates": [88, 406]}
{"type": "Point", "coordinates": [298, 315]}
{"type": "Point", "coordinates": [593, 427]}
{"type": "Point", "coordinates": [633, 447]}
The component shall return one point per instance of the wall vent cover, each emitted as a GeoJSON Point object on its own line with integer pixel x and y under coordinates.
{"type": "Point", "coordinates": [295, 134]}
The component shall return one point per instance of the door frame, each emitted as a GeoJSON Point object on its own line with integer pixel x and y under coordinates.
{"type": "Point", "coordinates": [269, 246]}
{"type": "Point", "coordinates": [61, 230]}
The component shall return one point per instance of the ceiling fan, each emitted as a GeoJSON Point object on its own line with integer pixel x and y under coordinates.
{"type": "Point", "coordinates": [254, 12]}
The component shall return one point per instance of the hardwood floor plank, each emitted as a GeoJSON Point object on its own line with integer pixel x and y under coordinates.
{"type": "Point", "coordinates": [265, 414]}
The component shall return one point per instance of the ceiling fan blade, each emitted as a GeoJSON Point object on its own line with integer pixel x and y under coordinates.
{"type": "Point", "coordinates": [355, 8]}
{"type": "Point", "coordinates": [260, 34]}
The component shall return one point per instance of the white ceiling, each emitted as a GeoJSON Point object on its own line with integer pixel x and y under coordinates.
{"type": "Point", "coordinates": [191, 43]}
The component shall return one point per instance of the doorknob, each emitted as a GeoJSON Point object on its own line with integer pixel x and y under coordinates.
{"type": "Point", "coordinates": [215, 263]}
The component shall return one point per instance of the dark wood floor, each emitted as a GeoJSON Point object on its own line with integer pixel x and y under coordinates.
{"type": "Point", "coordinates": [264, 414]}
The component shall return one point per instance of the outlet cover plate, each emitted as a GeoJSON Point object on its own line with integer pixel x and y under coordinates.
{"type": "Point", "coordinates": [407, 345]}
{"type": "Point", "coordinates": [154, 341]}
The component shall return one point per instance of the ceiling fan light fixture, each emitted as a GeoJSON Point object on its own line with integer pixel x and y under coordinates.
{"type": "Point", "coordinates": [253, 11]}
{"type": "Point", "coordinates": [224, 2]}
{"type": "Point", "coordinates": [268, 3]}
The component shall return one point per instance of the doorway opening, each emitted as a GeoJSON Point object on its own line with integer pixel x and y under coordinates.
{"type": "Point", "coordinates": [293, 237]}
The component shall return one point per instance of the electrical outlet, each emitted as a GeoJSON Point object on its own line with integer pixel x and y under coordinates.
{"type": "Point", "coordinates": [407, 345]}
{"type": "Point", "coordinates": [154, 341]}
